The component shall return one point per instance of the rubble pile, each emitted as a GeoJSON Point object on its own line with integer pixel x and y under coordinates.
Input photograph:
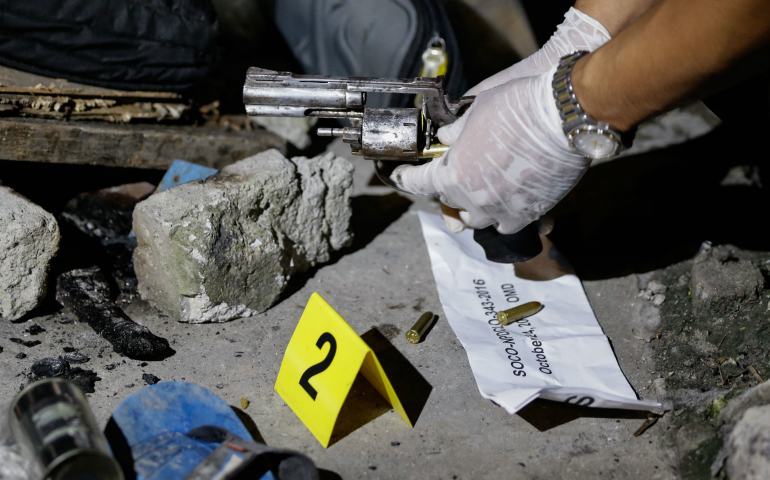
{"type": "Point", "coordinates": [711, 357]}
{"type": "Point", "coordinates": [29, 240]}
{"type": "Point", "coordinates": [225, 248]}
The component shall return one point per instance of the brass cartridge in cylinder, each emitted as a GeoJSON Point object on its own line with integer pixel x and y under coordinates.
{"type": "Point", "coordinates": [414, 335]}
{"type": "Point", "coordinates": [506, 317]}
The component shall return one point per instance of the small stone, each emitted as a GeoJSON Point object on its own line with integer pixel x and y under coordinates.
{"type": "Point", "coordinates": [226, 248]}
{"type": "Point", "coordinates": [150, 379]}
{"type": "Point", "coordinates": [69, 349]}
{"type": "Point", "coordinates": [129, 385]}
{"type": "Point", "coordinates": [110, 366]}
{"type": "Point", "coordinates": [748, 447]}
{"type": "Point", "coordinates": [21, 355]}
{"type": "Point", "coordinates": [29, 240]}
{"type": "Point", "coordinates": [76, 357]}
{"type": "Point", "coordinates": [742, 176]}
{"type": "Point", "coordinates": [395, 444]}
{"type": "Point", "coordinates": [244, 403]}
{"type": "Point", "coordinates": [658, 299]}
{"type": "Point", "coordinates": [656, 287]}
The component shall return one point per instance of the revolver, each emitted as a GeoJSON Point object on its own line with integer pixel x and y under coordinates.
{"type": "Point", "coordinates": [388, 136]}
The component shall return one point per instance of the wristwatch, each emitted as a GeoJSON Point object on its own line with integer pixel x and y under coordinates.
{"type": "Point", "coordinates": [586, 136]}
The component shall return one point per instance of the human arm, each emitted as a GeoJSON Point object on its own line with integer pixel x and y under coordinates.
{"type": "Point", "coordinates": [679, 51]}
{"type": "Point", "coordinates": [510, 162]}
{"type": "Point", "coordinates": [587, 26]}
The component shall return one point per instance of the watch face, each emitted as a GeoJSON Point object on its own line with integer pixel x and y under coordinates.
{"type": "Point", "coordinates": [594, 144]}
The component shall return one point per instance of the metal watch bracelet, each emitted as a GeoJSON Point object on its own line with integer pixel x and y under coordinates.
{"type": "Point", "coordinates": [575, 120]}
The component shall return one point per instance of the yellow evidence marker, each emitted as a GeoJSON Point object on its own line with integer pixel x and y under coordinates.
{"type": "Point", "coordinates": [319, 366]}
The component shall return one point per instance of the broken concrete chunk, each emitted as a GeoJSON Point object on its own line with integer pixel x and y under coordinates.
{"type": "Point", "coordinates": [87, 294]}
{"type": "Point", "coordinates": [748, 449]}
{"type": "Point", "coordinates": [735, 408]}
{"type": "Point", "coordinates": [224, 249]}
{"type": "Point", "coordinates": [29, 239]}
{"type": "Point", "coordinates": [720, 283]}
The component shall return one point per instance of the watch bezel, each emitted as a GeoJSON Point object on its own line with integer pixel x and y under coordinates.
{"type": "Point", "coordinates": [575, 120]}
{"type": "Point", "coordinates": [598, 129]}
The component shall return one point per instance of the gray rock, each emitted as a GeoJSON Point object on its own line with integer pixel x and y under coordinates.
{"type": "Point", "coordinates": [29, 239]}
{"type": "Point", "coordinates": [224, 249]}
{"type": "Point", "coordinates": [748, 449]}
{"type": "Point", "coordinates": [735, 408]}
{"type": "Point", "coordinates": [697, 445]}
{"type": "Point", "coordinates": [720, 283]}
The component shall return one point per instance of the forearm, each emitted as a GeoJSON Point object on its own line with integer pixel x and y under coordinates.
{"type": "Point", "coordinates": [615, 15]}
{"type": "Point", "coordinates": [678, 51]}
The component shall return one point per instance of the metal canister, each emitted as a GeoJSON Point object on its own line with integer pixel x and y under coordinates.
{"type": "Point", "coordinates": [51, 418]}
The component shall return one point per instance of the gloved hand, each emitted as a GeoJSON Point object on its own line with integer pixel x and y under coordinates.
{"type": "Point", "coordinates": [510, 163]}
{"type": "Point", "coordinates": [578, 32]}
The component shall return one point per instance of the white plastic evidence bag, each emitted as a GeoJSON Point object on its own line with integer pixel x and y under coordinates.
{"type": "Point", "coordinates": [558, 354]}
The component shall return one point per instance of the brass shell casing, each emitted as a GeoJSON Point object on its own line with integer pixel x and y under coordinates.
{"type": "Point", "coordinates": [506, 317]}
{"type": "Point", "coordinates": [414, 335]}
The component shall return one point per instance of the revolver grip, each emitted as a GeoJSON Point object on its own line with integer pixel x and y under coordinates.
{"type": "Point", "coordinates": [514, 248]}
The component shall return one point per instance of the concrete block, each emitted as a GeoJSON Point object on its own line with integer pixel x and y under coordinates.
{"type": "Point", "coordinates": [748, 450]}
{"type": "Point", "coordinates": [720, 283]}
{"type": "Point", "coordinates": [225, 248]}
{"type": "Point", "coordinates": [29, 239]}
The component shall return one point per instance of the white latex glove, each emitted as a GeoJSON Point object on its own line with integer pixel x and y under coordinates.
{"type": "Point", "coordinates": [578, 32]}
{"type": "Point", "coordinates": [511, 162]}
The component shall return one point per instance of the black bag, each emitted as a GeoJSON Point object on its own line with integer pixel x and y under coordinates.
{"type": "Point", "coordinates": [369, 38]}
{"type": "Point", "coordinates": [124, 44]}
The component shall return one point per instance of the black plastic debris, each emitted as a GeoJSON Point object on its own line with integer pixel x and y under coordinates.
{"type": "Point", "coordinates": [26, 343]}
{"type": "Point", "coordinates": [21, 355]}
{"type": "Point", "coordinates": [76, 357]}
{"type": "Point", "coordinates": [106, 216]}
{"type": "Point", "coordinates": [150, 379]}
{"type": "Point", "coordinates": [86, 293]}
{"type": "Point", "coordinates": [35, 329]}
{"type": "Point", "coordinates": [59, 367]}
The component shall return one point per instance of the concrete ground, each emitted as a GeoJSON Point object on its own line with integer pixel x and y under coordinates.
{"type": "Point", "coordinates": [384, 281]}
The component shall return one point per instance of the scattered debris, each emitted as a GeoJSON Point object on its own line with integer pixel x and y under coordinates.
{"type": "Point", "coordinates": [86, 293]}
{"type": "Point", "coordinates": [53, 367]}
{"type": "Point", "coordinates": [652, 419]}
{"type": "Point", "coordinates": [655, 292]}
{"type": "Point", "coordinates": [150, 379]}
{"type": "Point", "coordinates": [245, 231]}
{"type": "Point", "coordinates": [29, 240]}
{"type": "Point", "coordinates": [26, 343]}
{"type": "Point", "coordinates": [106, 216]}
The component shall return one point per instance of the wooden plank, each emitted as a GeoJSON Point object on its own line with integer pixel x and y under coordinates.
{"type": "Point", "coordinates": [128, 145]}
{"type": "Point", "coordinates": [18, 81]}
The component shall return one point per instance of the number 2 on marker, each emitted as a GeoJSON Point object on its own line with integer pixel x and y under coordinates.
{"type": "Point", "coordinates": [314, 370]}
